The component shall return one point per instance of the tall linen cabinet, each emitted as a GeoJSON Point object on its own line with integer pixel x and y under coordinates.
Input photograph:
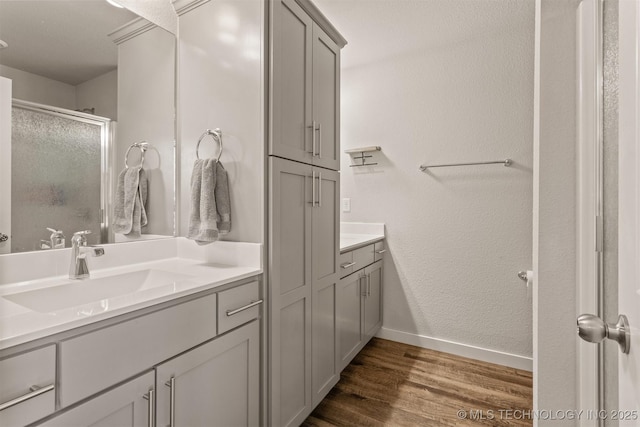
{"type": "Point", "coordinates": [304, 222]}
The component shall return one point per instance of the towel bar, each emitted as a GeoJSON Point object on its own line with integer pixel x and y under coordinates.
{"type": "Point", "coordinates": [505, 162]}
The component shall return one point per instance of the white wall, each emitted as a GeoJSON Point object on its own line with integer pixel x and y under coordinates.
{"type": "Point", "coordinates": [456, 236]}
{"type": "Point", "coordinates": [146, 112]}
{"type": "Point", "coordinates": [221, 85]}
{"type": "Point", "coordinates": [100, 93]}
{"type": "Point", "coordinates": [554, 372]}
{"type": "Point", "coordinates": [34, 88]}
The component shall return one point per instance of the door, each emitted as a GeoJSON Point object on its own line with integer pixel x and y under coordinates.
{"type": "Point", "coordinates": [128, 405]}
{"type": "Point", "coordinates": [613, 385]}
{"type": "Point", "coordinates": [5, 165]}
{"type": "Point", "coordinates": [291, 88]}
{"type": "Point", "coordinates": [325, 238]}
{"type": "Point", "coordinates": [215, 384]}
{"type": "Point", "coordinates": [326, 100]}
{"type": "Point", "coordinates": [372, 295]}
{"type": "Point", "coordinates": [290, 290]}
{"type": "Point", "coordinates": [629, 207]}
{"type": "Point", "coordinates": [349, 317]}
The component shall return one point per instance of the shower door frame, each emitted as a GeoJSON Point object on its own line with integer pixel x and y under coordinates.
{"type": "Point", "coordinates": [107, 135]}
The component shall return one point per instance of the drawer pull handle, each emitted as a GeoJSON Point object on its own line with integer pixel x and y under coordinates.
{"type": "Point", "coordinates": [351, 264]}
{"type": "Point", "coordinates": [35, 391]}
{"type": "Point", "coordinates": [246, 307]}
{"type": "Point", "coordinates": [381, 251]}
{"type": "Point", "coordinates": [150, 408]}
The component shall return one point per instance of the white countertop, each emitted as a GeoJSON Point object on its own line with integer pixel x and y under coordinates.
{"type": "Point", "coordinates": [353, 241]}
{"type": "Point", "coordinates": [19, 324]}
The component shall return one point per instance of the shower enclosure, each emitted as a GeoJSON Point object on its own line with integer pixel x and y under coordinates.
{"type": "Point", "coordinates": [59, 174]}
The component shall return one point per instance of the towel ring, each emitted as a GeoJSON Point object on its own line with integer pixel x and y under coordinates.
{"type": "Point", "coordinates": [143, 148]}
{"type": "Point", "coordinates": [216, 134]}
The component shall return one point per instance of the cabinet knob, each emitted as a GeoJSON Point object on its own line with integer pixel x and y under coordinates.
{"type": "Point", "coordinates": [3, 237]}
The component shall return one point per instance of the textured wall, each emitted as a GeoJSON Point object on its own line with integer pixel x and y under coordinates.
{"type": "Point", "coordinates": [464, 92]}
{"type": "Point", "coordinates": [221, 85]}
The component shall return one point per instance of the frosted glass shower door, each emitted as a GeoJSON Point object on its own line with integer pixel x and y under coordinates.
{"type": "Point", "coordinates": [57, 175]}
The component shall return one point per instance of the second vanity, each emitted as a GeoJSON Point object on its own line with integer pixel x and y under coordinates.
{"type": "Point", "coordinates": [359, 291]}
{"type": "Point", "coordinates": [141, 357]}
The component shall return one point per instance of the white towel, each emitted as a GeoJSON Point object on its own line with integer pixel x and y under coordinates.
{"type": "Point", "coordinates": [210, 214]}
{"type": "Point", "coordinates": [130, 214]}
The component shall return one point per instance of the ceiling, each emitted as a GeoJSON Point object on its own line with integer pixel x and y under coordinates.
{"type": "Point", "coordinates": [381, 29]}
{"type": "Point", "coordinates": [65, 40]}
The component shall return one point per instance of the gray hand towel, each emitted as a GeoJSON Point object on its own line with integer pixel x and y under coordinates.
{"type": "Point", "coordinates": [210, 214]}
{"type": "Point", "coordinates": [130, 214]}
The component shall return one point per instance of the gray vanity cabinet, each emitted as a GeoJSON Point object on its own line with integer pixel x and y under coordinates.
{"type": "Point", "coordinates": [372, 300]}
{"type": "Point", "coordinates": [349, 317]}
{"type": "Point", "coordinates": [127, 405]}
{"type": "Point", "coordinates": [215, 384]}
{"type": "Point", "coordinates": [359, 305]}
{"type": "Point", "coordinates": [306, 88]}
{"type": "Point", "coordinates": [303, 254]}
{"type": "Point", "coordinates": [27, 386]}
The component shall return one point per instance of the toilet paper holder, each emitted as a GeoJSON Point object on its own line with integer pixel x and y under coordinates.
{"type": "Point", "coordinates": [526, 276]}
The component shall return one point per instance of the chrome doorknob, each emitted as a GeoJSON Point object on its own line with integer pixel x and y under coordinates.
{"type": "Point", "coordinates": [591, 328]}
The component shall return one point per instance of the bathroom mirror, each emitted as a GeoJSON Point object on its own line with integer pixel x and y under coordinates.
{"type": "Point", "coordinates": [82, 84]}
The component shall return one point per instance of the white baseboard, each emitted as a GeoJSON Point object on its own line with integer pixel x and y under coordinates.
{"type": "Point", "coordinates": [464, 350]}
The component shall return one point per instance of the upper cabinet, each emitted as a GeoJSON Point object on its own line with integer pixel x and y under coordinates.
{"type": "Point", "coordinates": [305, 89]}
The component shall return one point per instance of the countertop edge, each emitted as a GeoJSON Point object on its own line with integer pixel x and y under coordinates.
{"type": "Point", "coordinates": [362, 240]}
{"type": "Point", "coordinates": [50, 331]}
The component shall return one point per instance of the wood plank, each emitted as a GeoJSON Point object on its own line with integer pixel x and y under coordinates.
{"type": "Point", "coordinates": [391, 383]}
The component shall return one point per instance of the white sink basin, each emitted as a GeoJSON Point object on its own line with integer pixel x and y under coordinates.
{"type": "Point", "coordinates": [78, 292]}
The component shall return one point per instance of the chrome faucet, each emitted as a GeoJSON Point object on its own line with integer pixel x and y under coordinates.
{"type": "Point", "coordinates": [79, 251]}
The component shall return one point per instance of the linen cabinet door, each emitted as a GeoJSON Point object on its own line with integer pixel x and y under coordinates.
{"type": "Point", "coordinates": [128, 405]}
{"type": "Point", "coordinates": [325, 268]}
{"type": "Point", "coordinates": [326, 100]}
{"type": "Point", "coordinates": [215, 384]}
{"type": "Point", "coordinates": [291, 87]}
{"type": "Point", "coordinates": [290, 291]}
{"type": "Point", "coordinates": [372, 300]}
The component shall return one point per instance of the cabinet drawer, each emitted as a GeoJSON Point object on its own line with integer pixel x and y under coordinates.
{"type": "Point", "coordinates": [238, 305]}
{"type": "Point", "coordinates": [97, 360]}
{"type": "Point", "coordinates": [21, 375]}
{"type": "Point", "coordinates": [379, 249]}
{"type": "Point", "coordinates": [363, 257]}
{"type": "Point", "coordinates": [346, 264]}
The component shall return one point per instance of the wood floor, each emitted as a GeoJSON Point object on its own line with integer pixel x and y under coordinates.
{"type": "Point", "coordinates": [393, 384]}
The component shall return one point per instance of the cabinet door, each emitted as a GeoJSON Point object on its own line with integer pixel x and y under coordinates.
{"type": "Point", "coordinates": [326, 100]}
{"type": "Point", "coordinates": [349, 317]}
{"type": "Point", "coordinates": [291, 82]}
{"type": "Point", "coordinates": [125, 406]}
{"type": "Point", "coordinates": [215, 384]}
{"type": "Point", "coordinates": [290, 291]}
{"type": "Point", "coordinates": [325, 276]}
{"type": "Point", "coordinates": [372, 300]}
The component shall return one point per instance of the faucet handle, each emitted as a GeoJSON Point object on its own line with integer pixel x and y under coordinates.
{"type": "Point", "coordinates": [79, 238]}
